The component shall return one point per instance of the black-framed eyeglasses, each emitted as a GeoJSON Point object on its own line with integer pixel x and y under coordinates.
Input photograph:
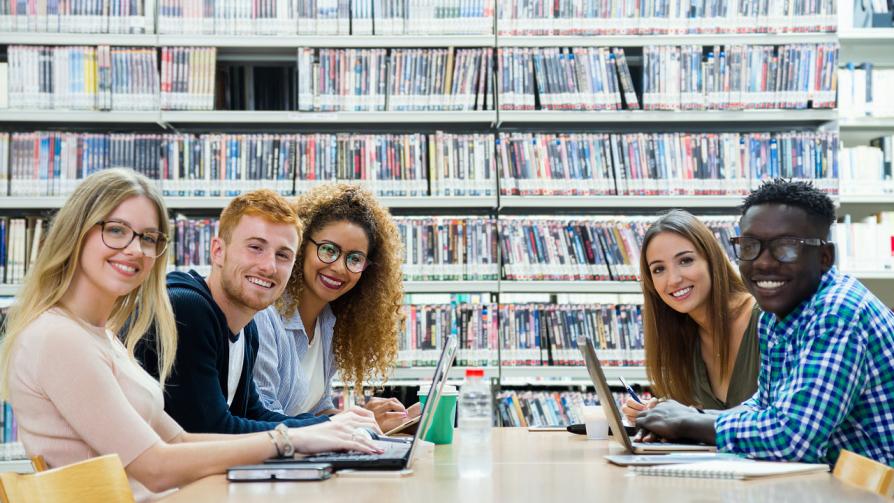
{"type": "Point", "coordinates": [784, 249]}
{"type": "Point", "coordinates": [118, 236]}
{"type": "Point", "coordinates": [328, 253]}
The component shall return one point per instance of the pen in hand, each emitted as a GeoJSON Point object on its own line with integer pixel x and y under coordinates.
{"type": "Point", "coordinates": [632, 393]}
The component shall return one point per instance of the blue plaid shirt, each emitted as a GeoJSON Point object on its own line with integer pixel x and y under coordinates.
{"type": "Point", "coordinates": [826, 381]}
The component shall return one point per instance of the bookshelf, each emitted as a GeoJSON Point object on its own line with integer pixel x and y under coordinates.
{"type": "Point", "coordinates": [283, 48]}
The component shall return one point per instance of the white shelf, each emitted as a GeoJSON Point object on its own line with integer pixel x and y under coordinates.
{"type": "Point", "coordinates": [847, 199]}
{"type": "Point", "coordinates": [642, 116]}
{"type": "Point", "coordinates": [866, 123]}
{"type": "Point", "coordinates": [581, 286]}
{"type": "Point", "coordinates": [121, 39]}
{"type": "Point", "coordinates": [464, 202]}
{"type": "Point", "coordinates": [294, 41]}
{"type": "Point", "coordinates": [644, 40]}
{"type": "Point", "coordinates": [216, 203]}
{"type": "Point", "coordinates": [885, 275]}
{"type": "Point", "coordinates": [66, 116]}
{"type": "Point", "coordinates": [8, 290]}
{"type": "Point", "coordinates": [864, 36]}
{"type": "Point", "coordinates": [620, 201]}
{"type": "Point", "coordinates": [436, 286]}
{"type": "Point", "coordinates": [571, 375]}
{"type": "Point", "coordinates": [262, 117]}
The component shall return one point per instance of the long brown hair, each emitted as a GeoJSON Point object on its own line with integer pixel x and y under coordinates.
{"type": "Point", "coordinates": [366, 317]}
{"type": "Point", "coordinates": [669, 349]}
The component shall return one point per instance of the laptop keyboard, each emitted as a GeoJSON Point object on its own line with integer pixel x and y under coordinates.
{"type": "Point", "coordinates": [392, 450]}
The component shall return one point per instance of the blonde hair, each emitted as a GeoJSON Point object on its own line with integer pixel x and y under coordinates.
{"type": "Point", "coordinates": [368, 317]}
{"type": "Point", "coordinates": [264, 203]}
{"type": "Point", "coordinates": [51, 274]}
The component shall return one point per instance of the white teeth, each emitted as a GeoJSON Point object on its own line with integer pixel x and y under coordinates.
{"type": "Point", "coordinates": [680, 293]}
{"type": "Point", "coordinates": [330, 282]}
{"type": "Point", "coordinates": [770, 284]}
{"type": "Point", "coordinates": [260, 282]}
{"type": "Point", "coordinates": [124, 268]}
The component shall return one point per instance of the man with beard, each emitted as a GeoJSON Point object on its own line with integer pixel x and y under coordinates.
{"type": "Point", "coordinates": [826, 344]}
{"type": "Point", "coordinates": [210, 389]}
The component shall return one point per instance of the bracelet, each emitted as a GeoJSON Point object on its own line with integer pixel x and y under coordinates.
{"type": "Point", "coordinates": [273, 436]}
{"type": "Point", "coordinates": [282, 432]}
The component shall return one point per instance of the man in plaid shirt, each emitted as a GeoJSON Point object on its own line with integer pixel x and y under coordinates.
{"type": "Point", "coordinates": [827, 345]}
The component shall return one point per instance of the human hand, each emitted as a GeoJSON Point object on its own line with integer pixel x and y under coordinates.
{"type": "Point", "coordinates": [357, 417]}
{"type": "Point", "coordinates": [389, 412]}
{"type": "Point", "coordinates": [389, 423]}
{"type": "Point", "coordinates": [671, 420]}
{"type": "Point", "coordinates": [331, 436]}
{"type": "Point", "coordinates": [632, 408]}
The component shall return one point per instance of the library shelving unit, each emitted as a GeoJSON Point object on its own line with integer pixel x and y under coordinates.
{"type": "Point", "coordinates": [282, 48]}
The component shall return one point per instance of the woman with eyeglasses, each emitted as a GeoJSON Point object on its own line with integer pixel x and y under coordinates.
{"type": "Point", "coordinates": [699, 321]}
{"type": "Point", "coordinates": [340, 311]}
{"type": "Point", "coordinates": [67, 361]}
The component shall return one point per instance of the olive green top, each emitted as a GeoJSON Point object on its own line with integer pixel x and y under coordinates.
{"type": "Point", "coordinates": [742, 383]}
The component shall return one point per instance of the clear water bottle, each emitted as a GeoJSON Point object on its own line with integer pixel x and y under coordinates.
{"type": "Point", "coordinates": [475, 410]}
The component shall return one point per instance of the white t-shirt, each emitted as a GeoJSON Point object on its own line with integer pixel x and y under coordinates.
{"type": "Point", "coordinates": [312, 367]}
{"type": "Point", "coordinates": [237, 359]}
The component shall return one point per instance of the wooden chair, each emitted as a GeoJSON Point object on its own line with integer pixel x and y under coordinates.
{"type": "Point", "coordinates": [97, 479]}
{"type": "Point", "coordinates": [865, 473]}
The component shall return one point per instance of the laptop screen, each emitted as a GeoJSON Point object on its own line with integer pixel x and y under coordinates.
{"type": "Point", "coordinates": [609, 407]}
{"type": "Point", "coordinates": [439, 378]}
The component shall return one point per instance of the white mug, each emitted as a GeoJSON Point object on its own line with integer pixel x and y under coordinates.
{"type": "Point", "coordinates": [594, 419]}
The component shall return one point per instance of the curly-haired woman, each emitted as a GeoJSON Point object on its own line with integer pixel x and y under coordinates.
{"type": "Point", "coordinates": [341, 308]}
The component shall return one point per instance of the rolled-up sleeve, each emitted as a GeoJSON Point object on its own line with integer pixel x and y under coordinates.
{"type": "Point", "coordinates": [266, 374]}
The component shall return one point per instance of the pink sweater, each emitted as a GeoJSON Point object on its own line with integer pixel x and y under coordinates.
{"type": "Point", "coordinates": [76, 395]}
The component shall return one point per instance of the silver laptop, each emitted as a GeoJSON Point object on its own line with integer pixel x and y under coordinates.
{"type": "Point", "coordinates": [399, 452]}
{"type": "Point", "coordinates": [613, 415]}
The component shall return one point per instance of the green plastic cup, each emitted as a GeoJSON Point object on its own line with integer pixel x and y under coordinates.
{"type": "Point", "coordinates": [441, 430]}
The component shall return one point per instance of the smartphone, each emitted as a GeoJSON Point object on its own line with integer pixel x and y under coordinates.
{"type": "Point", "coordinates": [280, 471]}
{"type": "Point", "coordinates": [403, 426]}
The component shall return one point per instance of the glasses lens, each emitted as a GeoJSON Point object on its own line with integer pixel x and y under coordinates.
{"type": "Point", "coordinates": [116, 235]}
{"type": "Point", "coordinates": [785, 249]}
{"type": "Point", "coordinates": [153, 244]}
{"type": "Point", "coordinates": [747, 248]}
{"type": "Point", "coordinates": [356, 262]}
{"type": "Point", "coordinates": [328, 252]}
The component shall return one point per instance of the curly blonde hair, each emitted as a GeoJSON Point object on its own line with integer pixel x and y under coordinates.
{"type": "Point", "coordinates": [370, 315]}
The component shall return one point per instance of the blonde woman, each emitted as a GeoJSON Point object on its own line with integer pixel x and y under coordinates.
{"type": "Point", "coordinates": [76, 389]}
{"type": "Point", "coordinates": [341, 308]}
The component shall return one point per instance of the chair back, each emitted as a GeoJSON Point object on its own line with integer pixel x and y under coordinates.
{"type": "Point", "coordinates": [865, 473]}
{"type": "Point", "coordinates": [97, 479]}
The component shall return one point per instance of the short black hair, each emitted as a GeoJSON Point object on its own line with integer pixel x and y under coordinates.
{"type": "Point", "coordinates": [817, 204]}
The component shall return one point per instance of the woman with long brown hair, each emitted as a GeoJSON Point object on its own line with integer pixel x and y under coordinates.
{"type": "Point", "coordinates": [699, 321]}
{"type": "Point", "coordinates": [341, 308]}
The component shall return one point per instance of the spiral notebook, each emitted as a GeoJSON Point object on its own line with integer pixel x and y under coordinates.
{"type": "Point", "coordinates": [737, 470]}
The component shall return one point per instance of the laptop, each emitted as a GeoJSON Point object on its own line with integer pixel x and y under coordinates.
{"type": "Point", "coordinates": [613, 415]}
{"type": "Point", "coordinates": [399, 452]}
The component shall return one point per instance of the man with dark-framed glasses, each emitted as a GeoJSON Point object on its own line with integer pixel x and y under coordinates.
{"type": "Point", "coordinates": [827, 344]}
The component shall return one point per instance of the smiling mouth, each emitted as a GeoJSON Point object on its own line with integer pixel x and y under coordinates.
{"type": "Point", "coordinates": [683, 292]}
{"type": "Point", "coordinates": [769, 285]}
{"type": "Point", "coordinates": [259, 282]}
{"type": "Point", "coordinates": [329, 282]}
{"type": "Point", "coordinates": [124, 268]}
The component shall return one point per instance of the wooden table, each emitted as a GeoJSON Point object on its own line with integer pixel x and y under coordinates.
{"type": "Point", "coordinates": [520, 466]}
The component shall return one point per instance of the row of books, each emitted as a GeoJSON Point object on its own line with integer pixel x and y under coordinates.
{"type": "Point", "coordinates": [661, 163]}
{"type": "Point", "coordinates": [866, 245]}
{"type": "Point", "coordinates": [328, 80]}
{"type": "Point", "coordinates": [78, 16]}
{"type": "Point", "coordinates": [551, 78]}
{"type": "Point", "coordinates": [449, 248]}
{"type": "Point", "coordinates": [548, 408]}
{"type": "Point", "coordinates": [620, 17]}
{"type": "Point", "coordinates": [865, 90]}
{"type": "Point", "coordinates": [83, 78]}
{"type": "Point", "coordinates": [492, 334]}
{"type": "Point", "coordinates": [868, 169]}
{"type": "Point", "coordinates": [8, 430]}
{"type": "Point", "coordinates": [327, 17]}
{"type": "Point", "coordinates": [46, 163]}
{"type": "Point", "coordinates": [739, 77]}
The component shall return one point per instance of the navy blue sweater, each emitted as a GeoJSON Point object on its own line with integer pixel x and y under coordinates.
{"type": "Point", "coordinates": [196, 391]}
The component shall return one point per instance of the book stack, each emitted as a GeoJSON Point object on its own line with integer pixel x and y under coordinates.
{"type": "Point", "coordinates": [20, 240]}
{"type": "Point", "coordinates": [739, 77]}
{"type": "Point", "coordinates": [428, 325]}
{"type": "Point", "coordinates": [83, 78]}
{"type": "Point", "coordinates": [342, 80]}
{"type": "Point", "coordinates": [582, 78]}
{"type": "Point", "coordinates": [441, 79]}
{"type": "Point", "coordinates": [449, 248]}
{"type": "Point", "coordinates": [187, 78]}
{"type": "Point", "coordinates": [462, 164]}
{"type": "Point", "coordinates": [868, 169]}
{"type": "Point", "coordinates": [864, 90]}
{"type": "Point", "coordinates": [78, 16]}
{"type": "Point", "coordinates": [866, 245]}
{"type": "Point", "coordinates": [583, 248]}
{"type": "Point", "coordinates": [546, 334]}
{"type": "Point", "coordinates": [619, 17]}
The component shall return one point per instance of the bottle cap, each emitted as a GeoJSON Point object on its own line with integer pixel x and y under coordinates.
{"type": "Point", "coordinates": [474, 372]}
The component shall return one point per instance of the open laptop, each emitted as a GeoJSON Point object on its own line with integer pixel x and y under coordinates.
{"type": "Point", "coordinates": [399, 452]}
{"type": "Point", "coordinates": [613, 415]}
